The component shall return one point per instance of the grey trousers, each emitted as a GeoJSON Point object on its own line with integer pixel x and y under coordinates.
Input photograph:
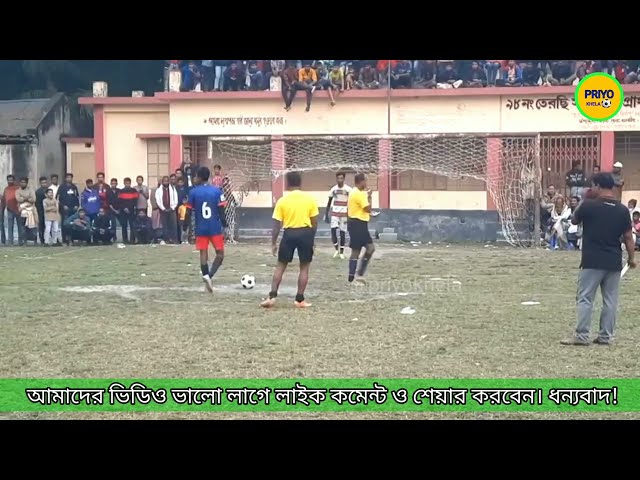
{"type": "Point", "coordinates": [588, 283]}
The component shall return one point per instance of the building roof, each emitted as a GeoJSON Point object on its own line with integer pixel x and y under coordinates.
{"type": "Point", "coordinates": [21, 118]}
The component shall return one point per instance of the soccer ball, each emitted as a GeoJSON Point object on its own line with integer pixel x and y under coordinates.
{"type": "Point", "coordinates": [606, 103]}
{"type": "Point", "coordinates": [248, 281]}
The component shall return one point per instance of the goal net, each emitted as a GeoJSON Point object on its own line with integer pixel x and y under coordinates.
{"type": "Point", "coordinates": [502, 166]}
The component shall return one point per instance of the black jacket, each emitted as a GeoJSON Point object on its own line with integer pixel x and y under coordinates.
{"type": "Point", "coordinates": [576, 178]}
{"type": "Point", "coordinates": [142, 223]}
{"type": "Point", "coordinates": [127, 198]}
{"type": "Point", "coordinates": [69, 196]}
{"type": "Point", "coordinates": [41, 194]}
{"type": "Point", "coordinates": [103, 222]}
{"type": "Point", "coordinates": [112, 199]}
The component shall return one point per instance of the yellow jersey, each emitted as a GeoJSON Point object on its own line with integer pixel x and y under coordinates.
{"type": "Point", "coordinates": [295, 209]}
{"type": "Point", "coordinates": [358, 201]}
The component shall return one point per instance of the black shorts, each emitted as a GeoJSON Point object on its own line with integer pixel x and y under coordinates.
{"type": "Point", "coordinates": [359, 235]}
{"type": "Point", "coordinates": [300, 239]}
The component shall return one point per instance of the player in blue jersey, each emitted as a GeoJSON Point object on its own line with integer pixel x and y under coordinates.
{"type": "Point", "coordinates": [207, 204]}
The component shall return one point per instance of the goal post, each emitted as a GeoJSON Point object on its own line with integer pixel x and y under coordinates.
{"type": "Point", "coordinates": [507, 167]}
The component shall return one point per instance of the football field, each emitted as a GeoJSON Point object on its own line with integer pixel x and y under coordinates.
{"type": "Point", "coordinates": [142, 312]}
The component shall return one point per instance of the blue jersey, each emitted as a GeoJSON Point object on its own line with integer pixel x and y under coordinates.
{"type": "Point", "coordinates": [204, 201]}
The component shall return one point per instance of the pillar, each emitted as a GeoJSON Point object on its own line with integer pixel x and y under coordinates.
{"type": "Point", "coordinates": [98, 137]}
{"type": "Point", "coordinates": [607, 151]}
{"type": "Point", "coordinates": [384, 173]}
{"type": "Point", "coordinates": [175, 152]}
{"type": "Point", "coordinates": [278, 163]}
{"type": "Point", "coordinates": [494, 169]}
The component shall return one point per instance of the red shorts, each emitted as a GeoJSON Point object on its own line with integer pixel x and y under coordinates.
{"type": "Point", "coordinates": [202, 243]}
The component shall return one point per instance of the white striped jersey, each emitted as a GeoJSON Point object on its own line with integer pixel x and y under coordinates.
{"type": "Point", "coordinates": [340, 197]}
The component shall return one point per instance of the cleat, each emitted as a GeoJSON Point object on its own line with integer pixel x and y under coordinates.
{"type": "Point", "coordinates": [342, 256]}
{"type": "Point", "coordinates": [335, 255]}
{"type": "Point", "coordinates": [268, 302]}
{"type": "Point", "coordinates": [302, 304]}
{"type": "Point", "coordinates": [207, 283]}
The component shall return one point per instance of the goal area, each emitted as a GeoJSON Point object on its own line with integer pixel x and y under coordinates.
{"type": "Point", "coordinates": [507, 168]}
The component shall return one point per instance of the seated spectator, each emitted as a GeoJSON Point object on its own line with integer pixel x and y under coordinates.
{"type": "Point", "coordinates": [273, 70]}
{"type": "Point", "coordinates": [307, 79]}
{"type": "Point", "coordinates": [531, 75]}
{"type": "Point", "coordinates": [323, 82]}
{"type": "Point", "coordinates": [368, 78]}
{"type": "Point", "coordinates": [477, 77]}
{"type": "Point", "coordinates": [511, 76]}
{"type": "Point", "coordinates": [632, 205]}
{"type": "Point", "coordinates": [169, 66]}
{"type": "Point", "coordinates": [289, 77]}
{"type": "Point", "coordinates": [493, 67]}
{"type": "Point", "coordinates": [401, 75]}
{"type": "Point", "coordinates": [560, 219]}
{"type": "Point", "coordinates": [255, 77]}
{"type": "Point", "coordinates": [382, 67]}
{"type": "Point", "coordinates": [208, 74]}
{"type": "Point", "coordinates": [350, 77]}
{"type": "Point", "coordinates": [547, 203]}
{"type": "Point", "coordinates": [190, 77]}
{"type": "Point", "coordinates": [632, 71]}
{"type": "Point", "coordinates": [425, 76]}
{"type": "Point", "coordinates": [233, 78]}
{"type": "Point", "coordinates": [574, 232]}
{"type": "Point", "coordinates": [103, 228]}
{"type": "Point", "coordinates": [635, 219]}
{"type": "Point", "coordinates": [562, 72]}
{"type": "Point", "coordinates": [142, 228]}
{"type": "Point", "coordinates": [447, 76]}
{"type": "Point", "coordinates": [336, 77]}
{"type": "Point", "coordinates": [77, 227]}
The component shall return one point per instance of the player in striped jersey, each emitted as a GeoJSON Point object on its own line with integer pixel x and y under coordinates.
{"type": "Point", "coordinates": [336, 213]}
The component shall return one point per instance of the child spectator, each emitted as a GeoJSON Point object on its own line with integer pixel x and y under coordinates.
{"type": "Point", "coordinates": [77, 227]}
{"type": "Point", "coordinates": [103, 228]}
{"type": "Point", "coordinates": [183, 220]}
{"type": "Point", "coordinates": [143, 228]}
{"type": "Point", "coordinates": [183, 194]}
{"type": "Point", "coordinates": [51, 219]}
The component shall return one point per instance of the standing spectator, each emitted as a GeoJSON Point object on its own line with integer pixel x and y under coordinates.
{"type": "Point", "coordinates": [68, 197]}
{"type": "Point", "coordinates": [26, 198]}
{"type": "Point", "coordinates": [77, 227]}
{"type": "Point", "coordinates": [307, 79]}
{"type": "Point", "coordinates": [512, 75]}
{"type": "Point", "coordinates": [618, 180]}
{"type": "Point", "coordinates": [477, 77]}
{"type": "Point", "coordinates": [183, 220]}
{"type": "Point", "coordinates": [232, 78]}
{"type": "Point", "coordinates": [562, 72]}
{"type": "Point", "coordinates": [13, 211]}
{"type": "Point", "coordinates": [604, 220]}
{"type": "Point", "coordinates": [289, 78]}
{"type": "Point", "coordinates": [143, 228]}
{"type": "Point", "coordinates": [576, 179]}
{"type": "Point", "coordinates": [52, 219]}
{"type": "Point", "coordinates": [54, 185]}
{"type": "Point", "coordinates": [169, 65]}
{"type": "Point", "coordinates": [143, 194]}
{"type": "Point", "coordinates": [103, 228]}
{"type": "Point", "coordinates": [187, 171]}
{"type": "Point", "coordinates": [113, 209]}
{"type": "Point", "coordinates": [90, 202]}
{"type": "Point", "coordinates": [167, 199]}
{"type": "Point", "coordinates": [493, 68]}
{"type": "Point", "coordinates": [208, 74]}
{"type": "Point", "coordinates": [127, 202]}
{"type": "Point", "coordinates": [255, 77]}
{"type": "Point", "coordinates": [41, 194]}
{"type": "Point", "coordinates": [190, 77]}
{"type": "Point", "coordinates": [3, 236]}
{"type": "Point", "coordinates": [103, 190]}
{"type": "Point", "coordinates": [594, 172]}
{"type": "Point", "coordinates": [230, 210]}
{"type": "Point", "coordinates": [156, 219]}
{"type": "Point", "coordinates": [220, 67]}
{"type": "Point", "coordinates": [401, 75]}
{"type": "Point", "coordinates": [531, 75]}
{"type": "Point", "coordinates": [368, 78]}
{"type": "Point", "coordinates": [179, 174]}
{"type": "Point", "coordinates": [217, 178]}
{"type": "Point", "coordinates": [173, 179]}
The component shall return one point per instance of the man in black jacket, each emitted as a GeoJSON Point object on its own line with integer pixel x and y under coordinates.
{"type": "Point", "coordinates": [142, 228]}
{"type": "Point", "coordinates": [127, 201]}
{"type": "Point", "coordinates": [576, 180]}
{"type": "Point", "coordinates": [41, 193]}
{"type": "Point", "coordinates": [69, 199]}
{"type": "Point", "coordinates": [103, 228]}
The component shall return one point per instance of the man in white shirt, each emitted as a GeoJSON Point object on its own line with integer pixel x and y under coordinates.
{"type": "Point", "coordinates": [167, 199]}
{"type": "Point", "coordinates": [336, 213]}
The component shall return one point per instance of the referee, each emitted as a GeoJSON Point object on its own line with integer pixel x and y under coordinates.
{"type": "Point", "coordinates": [604, 220]}
{"type": "Point", "coordinates": [297, 213]}
{"type": "Point", "coordinates": [359, 214]}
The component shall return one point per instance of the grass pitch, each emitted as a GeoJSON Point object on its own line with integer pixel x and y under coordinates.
{"type": "Point", "coordinates": [142, 312]}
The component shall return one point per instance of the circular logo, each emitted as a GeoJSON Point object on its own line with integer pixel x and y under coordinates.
{"type": "Point", "coordinates": [599, 97]}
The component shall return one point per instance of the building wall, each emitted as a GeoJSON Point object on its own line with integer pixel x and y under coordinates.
{"type": "Point", "coordinates": [81, 162]}
{"type": "Point", "coordinates": [51, 150]}
{"type": "Point", "coordinates": [125, 153]}
{"type": "Point", "coordinates": [19, 160]}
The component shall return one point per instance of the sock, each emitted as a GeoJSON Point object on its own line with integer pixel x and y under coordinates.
{"type": "Point", "coordinates": [334, 237]}
{"type": "Point", "coordinates": [215, 266]}
{"type": "Point", "coordinates": [273, 294]}
{"type": "Point", "coordinates": [353, 264]}
{"type": "Point", "coordinates": [204, 269]}
{"type": "Point", "coordinates": [363, 264]}
{"type": "Point", "coordinates": [299, 297]}
{"type": "Point", "coordinates": [342, 241]}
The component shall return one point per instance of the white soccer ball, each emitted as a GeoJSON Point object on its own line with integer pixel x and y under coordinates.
{"type": "Point", "coordinates": [606, 103]}
{"type": "Point", "coordinates": [248, 281]}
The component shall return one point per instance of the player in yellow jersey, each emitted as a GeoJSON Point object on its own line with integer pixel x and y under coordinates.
{"type": "Point", "coordinates": [359, 214]}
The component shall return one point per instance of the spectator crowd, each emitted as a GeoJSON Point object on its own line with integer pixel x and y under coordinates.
{"type": "Point", "coordinates": [338, 75]}
{"type": "Point", "coordinates": [56, 215]}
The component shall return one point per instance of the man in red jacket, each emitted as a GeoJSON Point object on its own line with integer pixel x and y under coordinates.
{"type": "Point", "coordinates": [10, 203]}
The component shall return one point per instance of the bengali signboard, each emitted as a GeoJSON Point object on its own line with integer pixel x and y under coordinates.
{"type": "Point", "coordinates": [559, 113]}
